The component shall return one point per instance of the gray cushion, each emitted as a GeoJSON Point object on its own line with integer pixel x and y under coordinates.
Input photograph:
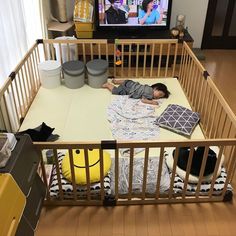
{"type": "Point", "coordinates": [178, 119]}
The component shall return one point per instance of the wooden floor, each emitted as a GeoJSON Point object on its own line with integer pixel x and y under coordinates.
{"type": "Point", "coordinates": [177, 219]}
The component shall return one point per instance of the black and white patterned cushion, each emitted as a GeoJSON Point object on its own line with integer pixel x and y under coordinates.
{"type": "Point", "coordinates": [205, 186]}
{"type": "Point", "coordinates": [81, 190]}
{"type": "Point", "coordinates": [178, 119]}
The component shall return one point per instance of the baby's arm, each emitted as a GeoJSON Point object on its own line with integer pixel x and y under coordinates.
{"type": "Point", "coordinates": [152, 102]}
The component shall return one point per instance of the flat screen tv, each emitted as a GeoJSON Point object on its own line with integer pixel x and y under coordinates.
{"type": "Point", "coordinates": [141, 16]}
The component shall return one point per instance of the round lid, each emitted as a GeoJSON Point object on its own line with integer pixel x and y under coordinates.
{"type": "Point", "coordinates": [97, 65]}
{"type": "Point", "coordinates": [49, 65]}
{"type": "Point", "coordinates": [73, 67]}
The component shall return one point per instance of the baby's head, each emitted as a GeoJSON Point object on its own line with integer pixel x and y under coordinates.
{"type": "Point", "coordinates": [160, 91]}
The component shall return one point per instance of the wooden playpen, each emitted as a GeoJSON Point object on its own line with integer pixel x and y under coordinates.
{"type": "Point", "coordinates": [141, 59]}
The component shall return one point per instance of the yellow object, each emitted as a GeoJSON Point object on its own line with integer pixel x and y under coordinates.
{"type": "Point", "coordinates": [118, 63]}
{"type": "Point", "coordinates": [80, 26]}
{"type": "Point", "coordinates": [12, 204]}
{"type": "Point", "coordinates": [84, 34]}
{"type": "Point", "coordinates": [83, 11]}
{"type": "Point", "coordinates": [79, 165]}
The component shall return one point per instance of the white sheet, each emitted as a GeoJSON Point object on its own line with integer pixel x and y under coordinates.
{"type": "Point", "coordinates": [81, 114]}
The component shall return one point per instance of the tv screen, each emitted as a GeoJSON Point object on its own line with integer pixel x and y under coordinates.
{"type": "Point", "coordinates": [133, 14]}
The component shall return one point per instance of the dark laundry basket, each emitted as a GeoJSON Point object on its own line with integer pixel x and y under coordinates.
{"type": "Point", "coordinates": [73, 74]}
{"type": "Point", "coordinates": [97, 72]}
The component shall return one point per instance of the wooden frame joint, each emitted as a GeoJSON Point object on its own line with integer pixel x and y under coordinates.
{"type": "Point", "coordinates": [38, 41]}
{"type": "Point", "coordinates": [108, 144]}
{"type": "Point", "coordinates": [109, 201]}
{"type": "Point", "coordinates": [12, 75]}
{"type": "Point", "coordinates": [205, 74]}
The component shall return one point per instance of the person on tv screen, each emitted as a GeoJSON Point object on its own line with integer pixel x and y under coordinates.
{"type": "Point", "coordinates": [148, 14]}
{"type": "Point", "coordinates": [114, 15]}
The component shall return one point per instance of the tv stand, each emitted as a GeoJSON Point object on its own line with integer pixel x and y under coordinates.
{"type": "Point", "coordinates": [161, 34]}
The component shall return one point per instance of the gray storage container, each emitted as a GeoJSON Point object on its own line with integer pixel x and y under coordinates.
{"type": "Point", "coordinates": [73, 74]}
{"type": "Point", "coordinates": [97, 72]}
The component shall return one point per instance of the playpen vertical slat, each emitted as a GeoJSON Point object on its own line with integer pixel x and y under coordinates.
{"type": "Point", "coordinates": [214, 118]}
{"type": "Point", "coordinates": [7, 111]}
{"type": "Point", "coordinates": [181, 62]}
{"type": "Point", "coordinates": [145, 168]}
{"type": "Point", "coordinates": [36, 75]}
{"type": "Point", "coordinates": [22, 93]}
{"type": "Point", "coordinates": [185, 80]}
{"type": "Point", "coordinates": [35, 72]}
{"type": "Point", "coordinates": [45, 52]}
{"type": "Point", "coordinates": [209, 119]}
{"type": "Point", "coordinates": [131, 168]}
{"type": "Point", "coordinates": [152, 59]}
{"type": "Point", "coordinates": [18, 79]}
{"type": "Point", "coordinates": [189, 163]}
{"type": "Point", "coordinates": [116, 174]}
{"type": "Point", "coordinates": [196, 96]}
{"type": "Point", "coordinates": [84, 53]}
{"type": "Point", "coordinates": [24, 82]}
{"type": "Point", "coordinates": [14, 102]}
{"type": "Point", "coordinates": [230, 170]}
{"type": "Point", "coordinates": [159, 62]}
{"type": "Point", "coordinates": [37, 62]}
{"type": "Point", "coordinates": [167, 59]}
{"type": "Point", "coordinates": [185, 70]}
{"type": "Point", "coordinates": [18, 96]}
{"type": "Point", "coordinates": [72, 171]}
{"type": "Point", "coordinates": [91, 50]}
{"type": "Point", "coordinates": [52, 51]}
{"type": "Point", "coordinates": [193, 88]}
{"type": "Point", "coordinates": [145, 59]}
{"type": "Point", "coordinates": [173, 173]}
{"type": "Point", "coordinates": [137, 61]}
{"type": "Point", "coordinates": [158, 183]}
{"type": "Point", "coordinates": [68, 52]}
{"type": "Point", "coordinates": [205, 103]}
{"type": "Point", "coordinates": [203, 92]}
{"type": "Point", "coordinates": [30, 80]}
{"type": "Point", "coordinates": [101, 173]}
{"type": "Point", "coordinates": [55, 158]}
{"type": "Point", "coordinates": [129, 63]}
{"type": "Point", "coordinates": [218, 122]}
{"type": "Point", "coordinates": [234, 166]}
{"type": "Point", "coordinates": [189, 81]}
{"type": "Point", "coordinates": [122, 59]}
{"type": "Point", "coordinates": [44, 175]}
{"type": "Point", "coordinates": [107, 55]}
{"type": "Point", "coordinates": [214, 176]}
{"type": "Point", "coordinates": [87, 173]}
{"type": "Point", "coordinates": [223, 126]}
{"type": "Point", "coordinates": [203, 165]}
{"type": "Point", "coordinates": [60, 50]}
{"type": "Point", "coordinates": [99, 50]}
{"type": "Point", "coordinates": [114, 60]}
{"type": "Point", "coordinates": [174, 62]}
{"type": "Point", "coordinates": [200, 89]}
{"type": "Point", "coordinates": [32, 77]}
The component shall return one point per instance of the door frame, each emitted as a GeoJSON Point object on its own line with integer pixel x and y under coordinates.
{"type": "Point", "coordinates": [218, 42]}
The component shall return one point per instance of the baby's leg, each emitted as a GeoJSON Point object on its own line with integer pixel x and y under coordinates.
{"type": "Point", "coordinates": [108, 86]}
{"type": "Point", "coordinates": [118, 81]}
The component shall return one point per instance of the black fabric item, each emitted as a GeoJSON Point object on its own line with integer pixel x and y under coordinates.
{"type": "Point", "coordinates": [197, 160]}
{"type": "Point", "coordinates": [39, 134]}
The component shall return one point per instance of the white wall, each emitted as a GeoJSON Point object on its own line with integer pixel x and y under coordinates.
{"type": "Point", "coordinates": [195, 13]}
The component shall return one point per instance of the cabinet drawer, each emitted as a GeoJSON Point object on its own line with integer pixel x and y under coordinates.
{"type": "Point", "coordinates": [34, 202]}
{"type": "Point", "coordinates": [24, 229]}
{"type": "Point", "coordinates": [12, 203]}
{"type": "Point", "coordinates": [23, 163]}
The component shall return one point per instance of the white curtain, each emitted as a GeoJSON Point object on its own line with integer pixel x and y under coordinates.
{"type": "Point", "coordinates": [20, 26]}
